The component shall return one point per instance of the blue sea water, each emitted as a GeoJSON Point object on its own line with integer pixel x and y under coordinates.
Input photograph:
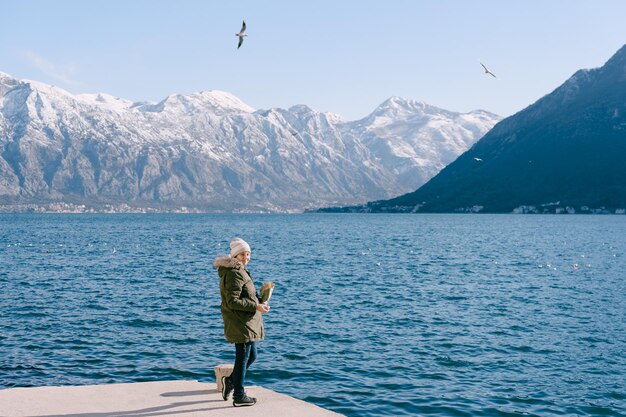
{"type": "Point", "coordinates": [373, 315]}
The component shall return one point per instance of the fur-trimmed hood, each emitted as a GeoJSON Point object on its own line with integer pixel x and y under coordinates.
{"type": "Point", "coordinates": [227, 262]}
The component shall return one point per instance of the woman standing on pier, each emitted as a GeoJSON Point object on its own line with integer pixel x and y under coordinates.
{"type": "Point", "coordinates": [242, 311]}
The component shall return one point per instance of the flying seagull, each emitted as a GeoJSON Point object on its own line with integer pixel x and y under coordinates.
{"type": "Point", "coordinates": [486, 70]}
{"type": "Point", "coordinates": [241, 34]}
{"type": "Point", "coordinates": [477, 159]}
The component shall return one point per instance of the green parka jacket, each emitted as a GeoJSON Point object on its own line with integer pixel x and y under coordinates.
{"type": "Point", "coordinates": [242, 323]}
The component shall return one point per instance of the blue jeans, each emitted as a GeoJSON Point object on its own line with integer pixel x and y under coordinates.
{"type": "Point", "coordinates": [245, 355]}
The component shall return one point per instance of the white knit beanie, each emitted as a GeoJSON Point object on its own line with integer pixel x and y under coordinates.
{"type": "Point", "coordinates": [238, 245]}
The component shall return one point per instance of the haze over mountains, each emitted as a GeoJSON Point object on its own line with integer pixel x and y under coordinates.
{"type": "Point", "coordinates": [211, 151]}
{"type": "Point", "coordinates": [564, 153]}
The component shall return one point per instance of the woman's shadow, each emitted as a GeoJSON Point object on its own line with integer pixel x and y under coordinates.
{"type": "Point", "coordinates": [163, 410]}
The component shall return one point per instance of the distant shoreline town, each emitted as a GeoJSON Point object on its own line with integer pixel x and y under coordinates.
{"type": "Point", "coordinates": [62, 207]}
{"type": "Point", "coordinates": [549, 208]}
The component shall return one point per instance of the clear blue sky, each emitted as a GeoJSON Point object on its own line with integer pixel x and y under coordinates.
{"type": "Point", "coordinates": [340, 56]}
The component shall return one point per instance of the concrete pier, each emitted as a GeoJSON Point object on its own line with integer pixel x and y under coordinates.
{"type": "Point", "coordinates": [143, 399]}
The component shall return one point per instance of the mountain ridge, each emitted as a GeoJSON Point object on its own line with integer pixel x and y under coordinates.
{"type": "Point", "coordinates": [207, 150]}
{"type": "Point", "coordinates": [563, 153]}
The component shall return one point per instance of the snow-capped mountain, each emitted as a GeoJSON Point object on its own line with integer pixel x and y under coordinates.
{"type": "Point", "coordinates": [416, 140]}
{"type": "Point", "coordinates": [212, 151]}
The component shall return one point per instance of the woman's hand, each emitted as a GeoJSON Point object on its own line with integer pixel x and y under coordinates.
{"type": "Point", "coordinates": [262, 308]}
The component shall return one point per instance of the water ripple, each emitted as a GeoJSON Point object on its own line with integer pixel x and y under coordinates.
{"type": "Point", "coordinates": [395, 315]}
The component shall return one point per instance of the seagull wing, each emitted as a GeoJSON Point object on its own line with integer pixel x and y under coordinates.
{"type": "Point", "coordinates": [243, 28]}
{"type": "Point", "coordinates": [240, 41]}
{"type": "Point", "coordinates": [487, 71]}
